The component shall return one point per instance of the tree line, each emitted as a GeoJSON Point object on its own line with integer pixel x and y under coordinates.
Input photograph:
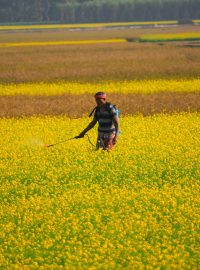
{"type": "Point", "coordinates": [88, 11]}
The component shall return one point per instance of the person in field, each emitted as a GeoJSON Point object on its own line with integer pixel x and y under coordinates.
{"type": "Point", "coordinates": [106, 116]}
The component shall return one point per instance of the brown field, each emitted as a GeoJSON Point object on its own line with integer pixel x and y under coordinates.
{"type": "Point", "coordinates": [92, 63]}
{"type": "Point", "coordinates": [78, 106]}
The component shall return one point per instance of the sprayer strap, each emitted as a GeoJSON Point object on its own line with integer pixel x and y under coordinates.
{"type": "Point", "coordinates": [92, 112]}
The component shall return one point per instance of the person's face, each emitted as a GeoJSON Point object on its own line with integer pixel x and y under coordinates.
{"type": "Point", "coordinates": [100, 101]}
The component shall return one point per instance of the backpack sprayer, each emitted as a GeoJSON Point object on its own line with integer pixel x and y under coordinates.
{"type": "Point", "coordinates": [118, 114]}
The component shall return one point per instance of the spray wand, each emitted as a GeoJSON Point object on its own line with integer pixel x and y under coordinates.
{"type": "Point", "coordinates": [76, 137]}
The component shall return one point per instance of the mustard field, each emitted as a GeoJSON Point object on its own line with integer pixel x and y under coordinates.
{"type": "Point", "coordinates": [196, 21]}
{"type": "Point", "coordinates": [71, 207]}
{"type": "Point", "coordinates": [84, 25]}
{"type": "Point", "coordinates": [125, 87]}
{"type": "Point", "coordinates": [69, 42]}
{"type": "Point", "coordinates": [170, 37]}
{"type": "Point", "coordinates": [143, 38]}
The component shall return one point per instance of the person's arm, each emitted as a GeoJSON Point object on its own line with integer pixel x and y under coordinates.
{"type": "Point", "coordinates": [116, 123]}
{"type": "Point", "coordinates": [90, 126]}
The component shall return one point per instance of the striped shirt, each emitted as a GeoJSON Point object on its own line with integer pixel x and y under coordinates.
{"type": "Point", "coordinates": [105, 117]}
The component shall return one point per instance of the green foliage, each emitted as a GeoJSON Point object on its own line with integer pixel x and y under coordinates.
{"type": "Point", "coordinates": [75, 11]}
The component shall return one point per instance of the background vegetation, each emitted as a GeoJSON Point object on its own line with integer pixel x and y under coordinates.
{"type": "Point", "coordinates": [75, 11]}
{"type": "Point", "coordinates": [98, 62]}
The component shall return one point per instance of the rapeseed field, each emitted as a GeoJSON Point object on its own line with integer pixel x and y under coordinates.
{"type": "Point", "coordinates": [169, 37]}
{"type": "Point", "coordinates": [68, 42]}
{"type": "Point", "coordinates": [143, 38]}
{"type": "Point", "coordinates": [84, 25]}
{"type": "Point", "coordinates": [71, 207]}
{"type": "Point", "coordinates": [123, 87]}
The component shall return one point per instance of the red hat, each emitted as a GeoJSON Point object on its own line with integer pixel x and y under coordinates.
{"type": "Point", "coordinates": [100, 95]}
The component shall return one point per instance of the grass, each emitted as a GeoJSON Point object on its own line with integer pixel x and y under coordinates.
{"type": "Point", "coordinates": [69, 206]}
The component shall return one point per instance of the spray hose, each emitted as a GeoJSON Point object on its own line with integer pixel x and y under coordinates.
{"type": "Point", "coordinates": [89, 140]}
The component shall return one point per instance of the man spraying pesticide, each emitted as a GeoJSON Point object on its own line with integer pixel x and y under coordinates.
{"type": "Point", "coordinates": [107, 117]}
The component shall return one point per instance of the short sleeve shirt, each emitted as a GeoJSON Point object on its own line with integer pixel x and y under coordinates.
{"type": "Point", "coordinates": [105, 117]}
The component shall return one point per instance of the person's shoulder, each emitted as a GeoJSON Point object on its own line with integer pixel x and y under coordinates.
{"type": "Point", "coordinates": [110, 106]}
{"type": "Point", "coordinates": [112, 109]}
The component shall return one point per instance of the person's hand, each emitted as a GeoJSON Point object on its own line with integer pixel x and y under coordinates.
{"type": "Point", "coordinates": [115, 140]}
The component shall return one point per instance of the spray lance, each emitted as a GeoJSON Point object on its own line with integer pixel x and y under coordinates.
{"type": "Point", "coordinates": [76, 137]}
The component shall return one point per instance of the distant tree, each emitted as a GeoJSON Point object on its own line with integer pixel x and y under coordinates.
{"type": "Point", "coordinates": [97, 10]}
